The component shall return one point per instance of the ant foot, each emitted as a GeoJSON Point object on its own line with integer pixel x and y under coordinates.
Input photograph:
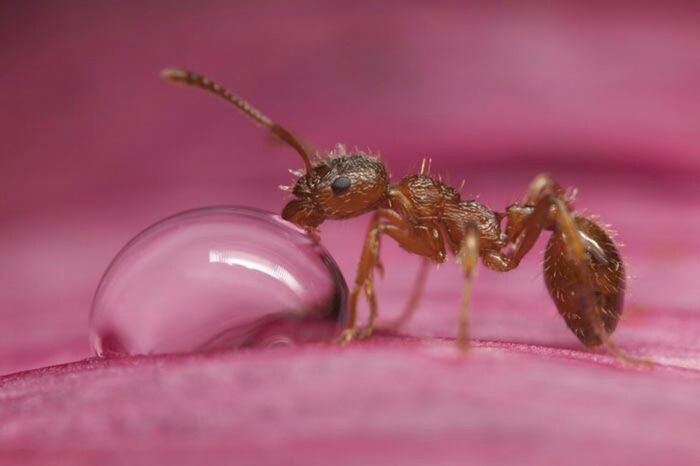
{"type": "Point", "coordinates": [625, 358]}
{"type": "Point", "coordinates": [637, 362]}
{"type": "Point", "coordinates": [347, 336]}
{"type": "Point", "coordinates": [463, 345]}
{"type": "Point", "coordinates": [631, 360]}
{"type": "Point", "coordinates": [365, 332]}
{"type": "Point", "coordinates": [394, 325]}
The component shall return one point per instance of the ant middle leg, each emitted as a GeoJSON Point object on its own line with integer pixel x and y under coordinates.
{"type": "Point", "coordinates": [468, 255]}
{"type": "Point", "coordinates": [469, 258]}
{"type": "Point", "coordinates": [416, 294]}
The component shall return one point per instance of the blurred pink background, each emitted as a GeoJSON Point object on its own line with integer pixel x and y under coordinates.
{"type": "Point", "coordinates": [95, 147]}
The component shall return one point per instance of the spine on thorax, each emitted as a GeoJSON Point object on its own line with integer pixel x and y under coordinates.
{"type": "Point", "coordinates": [432, 203]}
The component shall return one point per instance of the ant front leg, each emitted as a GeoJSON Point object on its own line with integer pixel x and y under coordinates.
{"type": "Point", "coordinates": [416, 238]}
{"type": "Point", "coordinates": [364, 279]}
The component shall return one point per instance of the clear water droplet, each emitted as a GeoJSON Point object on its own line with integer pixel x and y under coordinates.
{"type": "Point", "coordinates": [217, 278]}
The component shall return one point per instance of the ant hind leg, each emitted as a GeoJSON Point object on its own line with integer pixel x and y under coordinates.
{"type": "Point", "coordinates": [589, 265]}
{"type": "Point", "coordinates": [591, 302]}
{"type": "Point", "coordinates": [583, 271]}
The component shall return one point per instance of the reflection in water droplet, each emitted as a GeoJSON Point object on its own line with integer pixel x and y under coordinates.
{"type": "Point", "coordinates": [216, 278]}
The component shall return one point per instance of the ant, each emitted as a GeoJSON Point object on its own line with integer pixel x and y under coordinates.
{"type": "Point", "coordinates": [583, 270]}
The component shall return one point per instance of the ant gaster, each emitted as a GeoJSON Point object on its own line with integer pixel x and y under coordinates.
{"type": "Point", "coordinates": [583, 269]}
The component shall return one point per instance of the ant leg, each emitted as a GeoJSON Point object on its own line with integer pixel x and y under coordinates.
{"type": "Point", "coordinates": [552, 212]}
{"type": "Point", "coordinates": [543, 184]}
{"type": "Point", "coordinates": [416, 293]}
{"type": "Point", "coordinates": [363, 279]}
{"type": "Point", "coordinates": [373, 309]}
{"type": "Point", "coordinates": [577, 253]}
{"type": "Point", "coordinates": [469, 257]}
{"type": "Point", "coordinates": [546, 191]}
{"type": "Point", "coordinates": [418, 239]}
{"type": "Point", "coordinates": [526, 222]}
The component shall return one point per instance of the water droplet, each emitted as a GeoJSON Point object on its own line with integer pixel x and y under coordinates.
{"type": "Point", "coordinates": [215, 278]}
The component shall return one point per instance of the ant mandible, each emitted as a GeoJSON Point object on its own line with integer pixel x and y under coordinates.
{"type": "Point", "coordinates": [583, 269]}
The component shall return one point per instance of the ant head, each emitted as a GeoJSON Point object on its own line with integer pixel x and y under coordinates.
{"type": "Point", "coordinates": [338, 187]}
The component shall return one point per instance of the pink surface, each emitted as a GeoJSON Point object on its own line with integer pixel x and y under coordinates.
{"type": "Point", "coordinates": [95, 148]}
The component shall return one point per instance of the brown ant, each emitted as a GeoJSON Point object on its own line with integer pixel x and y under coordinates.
{"type": "Point", "coordinates": [583, 269]}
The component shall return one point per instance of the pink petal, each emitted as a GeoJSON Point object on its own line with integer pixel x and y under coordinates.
{"type": "Point", "coordinates": [96, 148]}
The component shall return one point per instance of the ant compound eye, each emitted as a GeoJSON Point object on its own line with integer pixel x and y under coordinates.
{"type": "Point", "coordinates": [341, 184]}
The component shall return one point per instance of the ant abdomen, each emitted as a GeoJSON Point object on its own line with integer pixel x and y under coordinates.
{"type": "Point", "coordinates": [568, 288]}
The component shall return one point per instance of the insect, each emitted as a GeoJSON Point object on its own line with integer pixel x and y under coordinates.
{"type": "Point", "coordinates": [583, 271]}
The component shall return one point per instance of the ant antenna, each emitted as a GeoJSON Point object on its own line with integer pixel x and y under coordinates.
{"type": "Point", "coordinates": [193, 79]}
